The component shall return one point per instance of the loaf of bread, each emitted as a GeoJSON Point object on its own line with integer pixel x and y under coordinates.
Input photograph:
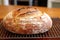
{"type": "Point", "coordinates": [27, 21]}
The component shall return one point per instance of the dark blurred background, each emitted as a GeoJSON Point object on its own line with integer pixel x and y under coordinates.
{"type": "Point", "coordinates": [43, 3]}
{"type": "Point", "coordinates": [26, 2]}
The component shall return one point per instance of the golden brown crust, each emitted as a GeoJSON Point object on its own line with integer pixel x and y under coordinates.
{"type": "Point", "coordinates": [27, 21]}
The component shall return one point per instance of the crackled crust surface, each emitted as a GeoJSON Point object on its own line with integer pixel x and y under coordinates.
{"type": "Point", "coordinates": [27, 21]}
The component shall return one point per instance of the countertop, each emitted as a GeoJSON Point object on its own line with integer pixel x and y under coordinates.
{"type": "Point", "coordinates": [52, 12]}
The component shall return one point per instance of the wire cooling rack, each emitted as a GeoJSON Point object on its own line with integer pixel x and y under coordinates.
{"type": "Point", "coordinates": [54, 32]}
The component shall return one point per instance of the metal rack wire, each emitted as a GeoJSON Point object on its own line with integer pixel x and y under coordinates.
{"type": "Point", "coordinates": [54, 32]}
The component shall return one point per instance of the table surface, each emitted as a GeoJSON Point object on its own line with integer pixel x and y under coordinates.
{"type": "Point", "coordinates": [52, 12]}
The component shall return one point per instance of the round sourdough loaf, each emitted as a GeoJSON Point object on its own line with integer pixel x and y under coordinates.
{"type": "Point", "coordinates": [27, 21]}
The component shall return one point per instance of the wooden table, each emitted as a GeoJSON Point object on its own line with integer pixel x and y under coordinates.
{"type": "Point", "coordinates": [52, 12]}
